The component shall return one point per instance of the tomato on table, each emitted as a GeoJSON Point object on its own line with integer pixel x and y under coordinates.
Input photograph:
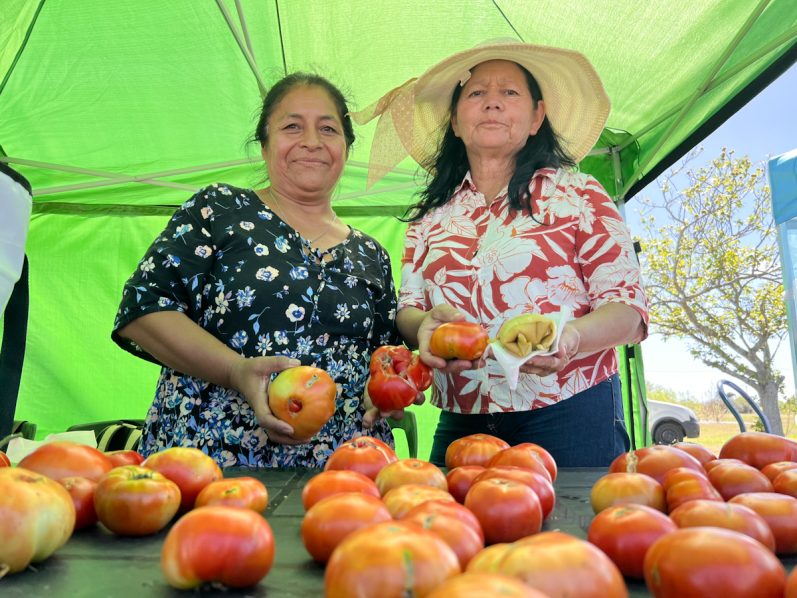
{"type": "Point", "coordinates": [244, 492]}
{"type": "Point", "coordinates": [64, 458]}
{"type": "Point", "coordinates": [507, 510]}
{"type": "Point", "coordinates": [188, 467]}
{"type": "Point", "coordinates": [410, 471]}
{"type": "Point", "coordinates": [363, 454]}
{"type": "Point", "coordinates": [727, 515]}
{"type": "Point", "coordinates": [460, 479]}
{"type": "Point", "coordinates": [125, 457]}
{"type": "Point", "coordinates": [81, 490]}
{"type": "Point", "coordinates": [621, 488]}
{"type": "Point", "coordinates": [474, 449]}
{"type": "Point", "coordinates": [334, 481]}
{"type": "Point", "coordinates": [4, 460]}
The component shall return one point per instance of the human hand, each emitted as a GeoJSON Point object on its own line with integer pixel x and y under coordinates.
{"type": "Point", "coordinates": [374, 414]}
{"type": "Point", "coordinates": [251, 377]}
{"type": "Point", "coordinates": [545, 365]}
{"type": "Point", "coordinates": [440, 314]}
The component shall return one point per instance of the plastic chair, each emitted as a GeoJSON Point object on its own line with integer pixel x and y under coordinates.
{"type": "Point", "coordinates": [26, 428]}
{"type": "Point", "coordinates": [733, 409]}
{"type": "Point", "coordinates": [114, 435]}
{"type": "Point", "coordinates": [410, 426]}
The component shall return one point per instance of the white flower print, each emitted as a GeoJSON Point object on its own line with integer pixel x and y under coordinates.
{"type": "Point", "coordinates": [244, 297]}
{"type": "Point", "coordinates": [202, 251]}
{"type": "Point", "coordinates": [267, 274]}
{"type": "Point", "coordinates": [263, 344]}
{"type": "Point", "coordinates": [246, 225]}
{"type": "Point", "coordinates": [206, 212]}
{"type": "Point", "coordinates": [507, 255]}
{"type": "Point", "coordinates": [147, 266]}
{"type": "Point", "coordinates": [261, 250]}
{"type": "Point", "coordinates": [564, 286]}
{"type": "Point", "coordinates": [182, 230]}
{"type": "Point", "coordinates": [222, 305]}
{"type": "Point", "coordinates": [164, 301]}
{"type": "Point", "coordinates": [294, 312]}
{"type": "Point", "coordinates": [282, 245]}
{"type": "Point", "coordinates": [281, 337]}
{"type": "Point", "coordinates": [342, 313]}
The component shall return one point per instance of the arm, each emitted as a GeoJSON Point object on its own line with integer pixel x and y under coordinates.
{"type": "Point", "coordinates": [179, 343]}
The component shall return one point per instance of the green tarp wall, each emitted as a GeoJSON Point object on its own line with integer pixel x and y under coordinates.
{"type": "Point", "coordinates": [115, 110]}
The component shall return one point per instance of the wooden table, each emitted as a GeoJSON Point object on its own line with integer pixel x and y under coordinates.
{"type": "Point", "coordinates": [95, 563]}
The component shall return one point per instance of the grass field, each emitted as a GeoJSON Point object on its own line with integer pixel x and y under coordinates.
{"type": "Point", "coordinates": [714, 434]}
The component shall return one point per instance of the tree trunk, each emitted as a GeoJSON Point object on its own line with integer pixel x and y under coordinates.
{"type": "Point", "coordinates": [769, 405]}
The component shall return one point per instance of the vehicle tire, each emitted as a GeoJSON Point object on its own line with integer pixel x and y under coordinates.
{"type": "Point", "coordinates": [668, 433]}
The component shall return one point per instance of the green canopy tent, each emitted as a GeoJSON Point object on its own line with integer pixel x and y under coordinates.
{"type": "Point", "coordinates": [116, 111]}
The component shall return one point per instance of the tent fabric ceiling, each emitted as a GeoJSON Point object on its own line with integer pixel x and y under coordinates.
{"type": "Point", "coordinates": [116, 109]}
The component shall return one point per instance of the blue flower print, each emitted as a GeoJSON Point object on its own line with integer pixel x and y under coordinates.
{"type": "Point", "coordinates": [222, 303]}
{"type": "Point", "coordinates": [246, 225]}
{"type": "Point", "coordinates": [264, 344]}
{"type": "Point", "coordinates": [203, 251]}
{"type": "Point", "coordinates": [171, 261]}
{"type": "Point", "coordinates": [261, 250]}
{"type": "Point", "coordinates": [351, 281]}
{"type": "Point", "coordinates": [182, 230]}
{"type": "Point", "coordinates": [348, 265]}
{"type": "Point", "coordinates": [264, 215]}
{"type": "Point", "coordinates": [299, 273]}
{"type": "Point", "coordinates": [244, 297]}
{"type": "Point", "coordinates": [342, 313]}
{"type": "Point", "coordinates": [239, 339]}
{"type": "Point", "coordinates": [281, 337]}
{"type": "Point", "coordinates": [282, 245]}
{"type": "Point", "coordinates": [294, 312]}
{"type": "Point", "coordinates": [304, 345]}
{"type": "Point", "coordinates": [267, 274]}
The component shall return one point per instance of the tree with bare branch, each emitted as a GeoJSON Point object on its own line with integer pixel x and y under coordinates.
{"type": "Point", "coordinates": [712, 271]}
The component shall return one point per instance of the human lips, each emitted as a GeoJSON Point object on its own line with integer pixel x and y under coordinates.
{"type": "Point", "coordinates": [311, 161]}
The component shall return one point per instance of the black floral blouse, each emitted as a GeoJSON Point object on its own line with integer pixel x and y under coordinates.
{"type": "Point", "coordinates": [233, 266]}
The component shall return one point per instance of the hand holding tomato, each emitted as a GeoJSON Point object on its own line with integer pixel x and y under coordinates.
{"type": "Point", "coordinates": [466, 340]}
{"type": "Point", "coordinates": [250, 377]}
{"type": "Point", "coordinates": [397, 376]}
{"type": "Point", "coordinates": [303, 397]}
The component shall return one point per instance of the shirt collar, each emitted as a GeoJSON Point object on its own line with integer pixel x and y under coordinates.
{"type": "Point", "coordinates": [547, 172]}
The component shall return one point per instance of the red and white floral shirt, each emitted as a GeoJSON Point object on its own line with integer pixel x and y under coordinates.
{"type": "Point", "coordinates": [492, 263]}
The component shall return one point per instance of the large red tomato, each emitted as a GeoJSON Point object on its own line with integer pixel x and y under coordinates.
{"type": "Point", "coordinates": [459, 340]}
{"type": "Point", "coordinates": [394, 558]}
{"type": "Point", "coordinates": [759, 449]}
{"type": "Point", "coordinates": [480, 585]}
{"type": "Point", "coordinates": [728, 515]}
{"type": "Point", "coordinates": [82, 492]}
{"type": "Point", "coordinates": [524, 455]}
{"type": "Point", "coordinates": [401, 499]}
{"type": "Point", "coordinates": [773, 470]}
{"type": "Point", "coordinates": [460, 480]}
{"type": "Point", "coordinates": [654, 461]}
{"type": "Point", "coordinates": [731, 479]}
{"type": "Point", "coordinates": [125, 457]}
{"type": "Point", "coordinates": [785, 482]}
{"type": "Point", "coordinates": [133, 501]}
{"type": "Point", "coordinates": [486, 561]}
{"type": "Point", "coordinates": [188, 467]}
{"type": "Point", "coordinates": [534, 480]}
{"type": "Point", "coordinates": [304, 397]}
{"type": "Point", "coordinates": [463, 539]}
{"type": "Point", "coordinates": [791, 584]}
{"type": "Point", "coordinates": [688, 490]}
{"type": "Point", "coordinates": [64, 458]}
{"type": "Point", "coordinates": [780, 513]}
{"type": "Point", "coordinates": [226, 545]}
{"type": "Point", "coordinates": [4, 460]}
{"type": "Point", "coordinates": [328, 483]}
{"type": "Point", "coordinates": [410, 471]}
{"type": "Point", "coordinates": [37, 517]}
{"type": "Point", "coordinates": [625, 533]}
{"type": "Point", "coordinates": [507, 510]}
{"type": "Point", "coordinates": [363, 454]}
{"type": "Point", "coordinates": [330, 520]}
{"type": "Point", "coordinates": [698, 451]}
{"type": "Point", "coordinates": [475, 449]}
{"type": "Point", "coordinates": [561, 565]}
{"type": "Point", "coordinates": [710, 561]}
{"type": "Point", "coordinates": [244, 492]}
{"type": "Point", "coordinates": [450, 509]}
{"type": "Point", "coordinates": [397, 375]}
{"type": "Point", "coordinates": [622, 488]}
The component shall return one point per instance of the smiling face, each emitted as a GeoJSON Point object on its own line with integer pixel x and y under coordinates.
{"type": "Point", "coordinates": [305, 149]}
{"type": "Point", "coordinates": [495, 113]}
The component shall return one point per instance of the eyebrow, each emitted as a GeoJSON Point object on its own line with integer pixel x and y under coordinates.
{"type": "Point", "coordinates": [301, 116]}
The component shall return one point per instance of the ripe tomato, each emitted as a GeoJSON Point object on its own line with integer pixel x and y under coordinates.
{"type": "Point", "coordinates": [364, 455]}
{"type": "Point", "coordinates": [506, 509]}
{"type": "Point", "coordinates": [397, 375]}
{"type": "Point", "coordinates": [460, 480]}
{"type": "Point", "coordinates": [785, 482]}
{"type": "Point", "coordinates": [698, 451]}
{"type": "Point", "coordinates": [459, 340]}
{"type": "Point", "coordinates": [727, 515]}
{"type": "Point", "coordinates": [773, 470]}
{"type": "Point", "coordinates": [486, 561]}
{"type": "Point", "coordinates": [234, 547]}
{"type": "Point", "coordinates": [330, 520]}
{"type": "Point", "coordinates": [395, 558]}
{"type": "Point", "coordinates": [687, 490]}
{"type": "Point", "coordinates": [479, 585]}
{"type": "Point", "coordinates": [133, 501]}
{"type": "Point", "coordinates": [401, 499]}
{"type": "Point", "coordinates": [731, 479]}
{"type": "Point", "coordinates": [81, 490]}
{"type": "Point", "coordinates": [475, 449]}
{"type": "Point", "coordinates": [460, 536]}
{"type": "Point", "coordinates": [188, 467]}
{"type": "Point", "coordinates": [126, 457]}
{"type": "Point", "coordinates": [410, 471]}
{"type": "Point", "coordinates": [64, 458]}
{"type": "Point", "coordinates": [622, 488]}
{"type": "Point", "coordinates": [625, 533]}
{"type": "Point", "coordinates": [791, 584]}
{"type": "Point", "coordinates": [450, 509]}
{"type": "Point", "coordinates": [4, 460]}
{"type": "Point", "coordinates": [37, 517]}
{"type": "Point", "coordinates": [717, 462]}
{"type": "Point", "coordinates": [780, 513]}
{"type": "Point", "coordinates": [654, 461]}
{"type": "Point", "coordinates": [523, 455]}
{"type": "Point", "coordinates": [710, 561]}
{"type": "Point", "coordinates": [536, 481]}
{"type": "Point", "coordinates": [304, 397]}
{"type": "Point", "coordinates": [759, 449]}
{"type": "Point", "coordinates": [560, 565]}
{"type": "Point", "coordinates": [329, 483]}
{"type": "Point", "coordinates": [244, 492]}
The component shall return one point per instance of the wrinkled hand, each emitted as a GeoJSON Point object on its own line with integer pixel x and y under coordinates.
{"type": "Point", "coordinates": [374, 414]}
{"type": "Point", "coordinates": [440, 314]}
{"type": "Point", "coordinates": [251, 377]}
{"type": "Point", "coordinates": [550, 364]}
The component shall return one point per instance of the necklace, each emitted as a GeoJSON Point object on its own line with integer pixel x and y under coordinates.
{"type": "Point", "coordinates": [281, 214]}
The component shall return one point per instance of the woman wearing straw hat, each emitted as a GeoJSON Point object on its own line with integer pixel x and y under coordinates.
{"type": "Point", "coordinates": [505, 226]}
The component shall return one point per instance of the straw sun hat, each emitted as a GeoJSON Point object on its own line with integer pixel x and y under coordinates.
{"type": "Point", "coordinates": [414, 116]}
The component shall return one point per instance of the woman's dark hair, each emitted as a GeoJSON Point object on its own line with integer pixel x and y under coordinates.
{"type": "Point", "coordinates": [282, 87]}
{"type": "Point", "coordinates": [448, 166]}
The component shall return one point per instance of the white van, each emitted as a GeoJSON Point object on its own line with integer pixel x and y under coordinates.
{"type": "Point", "coordinates": [670, 423]}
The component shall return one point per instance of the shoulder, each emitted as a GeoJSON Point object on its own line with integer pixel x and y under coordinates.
{"type": "Point", "coordinates": [218, 197]}
{"type": "Point", "coordinates": [367, 242]}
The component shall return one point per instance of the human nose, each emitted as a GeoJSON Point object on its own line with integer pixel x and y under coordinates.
{"type": "Point", "coordinates": [493, 100]}
{"type": "Point", "coordinates": [311, 138]}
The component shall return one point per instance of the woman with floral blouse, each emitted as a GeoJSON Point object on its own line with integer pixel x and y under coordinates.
{"type": "Point", "coordinates": [506, 226]}
{"type": "Point", "coordinates": [244, 283]}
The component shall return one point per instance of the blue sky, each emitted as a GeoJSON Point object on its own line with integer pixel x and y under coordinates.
{"type": "Point", "coordinates": [765, 127]}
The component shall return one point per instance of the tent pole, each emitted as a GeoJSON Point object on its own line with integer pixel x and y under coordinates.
{"type": "Point", "coordinates": [701, 89]}
{"type": "Point", "coordinates": [250, 59]}
{"type": "Point", "coordinates": [245, 29]}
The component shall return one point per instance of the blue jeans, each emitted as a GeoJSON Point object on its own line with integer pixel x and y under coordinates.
{"type": "Point", "coordinates": [586, 430]}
